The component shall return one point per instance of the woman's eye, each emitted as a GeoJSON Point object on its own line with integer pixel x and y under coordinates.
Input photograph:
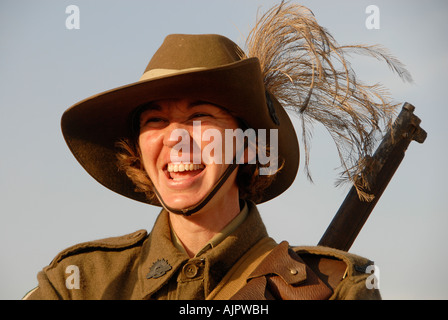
{"type": "Point", "coordinates": [200, 115]}
{"type": "Point", "coordinates": [152, 121]}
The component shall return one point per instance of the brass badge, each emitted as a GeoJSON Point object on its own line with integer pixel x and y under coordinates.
{"type": "Point", "coordinates": [158, 269]}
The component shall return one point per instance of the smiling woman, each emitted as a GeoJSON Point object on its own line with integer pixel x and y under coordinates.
{"type": "Point", "coordinates": [209, 241]}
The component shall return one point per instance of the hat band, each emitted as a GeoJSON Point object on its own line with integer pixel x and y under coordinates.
{"type": "Point", "coordinates": [158, 73]}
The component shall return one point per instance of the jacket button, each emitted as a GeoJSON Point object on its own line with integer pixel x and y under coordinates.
{"type": "Point", "coordinates": [293, 271]}
{"type": "Point", "coordinates": [190, 270]}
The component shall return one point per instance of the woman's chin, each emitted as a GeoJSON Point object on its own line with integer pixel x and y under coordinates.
{"type": "Point", "coordinates": [181, 202]}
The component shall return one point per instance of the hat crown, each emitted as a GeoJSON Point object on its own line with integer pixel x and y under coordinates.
{"type": "Point", "coordinates": [183, 51]}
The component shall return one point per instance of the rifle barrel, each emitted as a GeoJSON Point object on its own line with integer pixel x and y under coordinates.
{"type": "Point", "coordinates": [353, 212]}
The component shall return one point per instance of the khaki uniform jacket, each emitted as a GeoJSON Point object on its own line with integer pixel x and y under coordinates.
{"type": "Point", "coordinates": [149, 266]}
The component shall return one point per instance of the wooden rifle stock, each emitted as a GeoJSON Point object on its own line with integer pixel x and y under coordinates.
{"type": "Point", "coordinates": [353, 213]}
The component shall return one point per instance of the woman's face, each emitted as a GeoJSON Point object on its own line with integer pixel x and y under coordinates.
{"type": "Point", "coordinates": [176, 151]}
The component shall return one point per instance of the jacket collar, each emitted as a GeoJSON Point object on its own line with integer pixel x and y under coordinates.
{"type": "Point", "coordinates": [157, 248]}
{"type": "Point", "coordinates": [160, 259]}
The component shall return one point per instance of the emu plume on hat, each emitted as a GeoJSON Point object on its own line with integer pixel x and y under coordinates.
{"type": "Point", "coordinates": [290, 63]}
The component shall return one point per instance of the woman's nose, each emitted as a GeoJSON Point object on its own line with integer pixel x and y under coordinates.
{"type": "Point", "coordinates": [176, 135]}
{"type": "Point", "coordinates": [180, 139]}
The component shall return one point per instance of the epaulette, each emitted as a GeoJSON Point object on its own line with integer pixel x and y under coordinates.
{"type": "Point", "coordinates": [111, 243]}
{"type": "Point", "coordinates": [341, 263]}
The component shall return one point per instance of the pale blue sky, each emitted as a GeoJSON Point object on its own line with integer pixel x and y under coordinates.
{"type": "Point", "coordinates": [47, 201]}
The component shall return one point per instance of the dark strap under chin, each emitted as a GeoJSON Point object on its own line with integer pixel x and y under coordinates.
{"type": "Point", "coordinates": [198, 206]}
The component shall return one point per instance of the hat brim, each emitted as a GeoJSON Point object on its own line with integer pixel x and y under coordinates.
{"type": "Point", "coordinates": [92, 127]}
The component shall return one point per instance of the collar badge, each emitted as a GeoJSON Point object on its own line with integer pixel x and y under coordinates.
{"type": "Point", "coordinates": [158, 269]}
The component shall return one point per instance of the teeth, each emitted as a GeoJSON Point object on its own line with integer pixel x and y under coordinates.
{"type": "Point", "coordinates": [184, 167]}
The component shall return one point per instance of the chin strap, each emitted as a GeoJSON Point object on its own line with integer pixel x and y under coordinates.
{"type": "Point", "coordinates": [198, 206]}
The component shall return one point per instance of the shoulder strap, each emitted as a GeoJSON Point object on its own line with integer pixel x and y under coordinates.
{"type": "Point", "coordinates": [236, 278]}
{"type": "Point", "coordinates": [112, 243]}
{"type": "Point", "coordinates": [354, 264]}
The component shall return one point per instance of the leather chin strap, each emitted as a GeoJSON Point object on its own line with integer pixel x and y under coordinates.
{"type": "Point", "coordinates": [198, 206]}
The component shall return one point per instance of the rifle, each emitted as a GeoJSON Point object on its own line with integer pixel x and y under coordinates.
{"type": "Point", "coordinates": [353, 213]}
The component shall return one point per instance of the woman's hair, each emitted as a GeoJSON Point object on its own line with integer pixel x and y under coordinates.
{"type": "Point", "coordinates": [250, 182]}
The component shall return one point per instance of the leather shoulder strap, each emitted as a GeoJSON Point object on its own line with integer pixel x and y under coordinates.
{"type": "Point", "coordinates": [237, 276]}
{"type": "Point", "coordinates": [283, 275]}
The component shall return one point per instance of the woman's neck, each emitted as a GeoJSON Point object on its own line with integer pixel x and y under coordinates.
{"type": "Point", "coordinates": [196, 230]}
